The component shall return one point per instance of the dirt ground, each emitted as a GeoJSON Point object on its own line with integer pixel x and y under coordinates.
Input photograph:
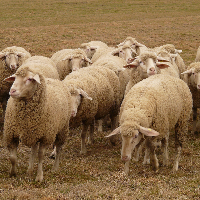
{"type": "Point", "coordinates": [99, 174]}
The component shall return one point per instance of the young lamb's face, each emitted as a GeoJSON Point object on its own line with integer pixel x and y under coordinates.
{"type": "Point", "coordinates": [23, 87]}
{"type": "Point", "coordinates": [76, 101]}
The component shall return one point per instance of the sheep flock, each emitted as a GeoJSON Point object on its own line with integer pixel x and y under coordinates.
{"type": "Point", "coordinates": [148, 96]}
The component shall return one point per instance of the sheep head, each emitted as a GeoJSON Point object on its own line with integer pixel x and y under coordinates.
{"type": "Point", "coordinates": [24, 85]}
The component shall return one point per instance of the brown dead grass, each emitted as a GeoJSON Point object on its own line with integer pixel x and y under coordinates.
{"type": "Point", "coordinates": [42, 28]}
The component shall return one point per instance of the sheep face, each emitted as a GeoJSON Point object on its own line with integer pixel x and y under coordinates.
{"type": "Point", "coordinates": [11, 60]}
{"type": "Point", "coordinates": [23, 87]}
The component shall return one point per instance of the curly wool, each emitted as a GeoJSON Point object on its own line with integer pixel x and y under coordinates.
{"type": "Point", "coordinates": [102, 85]}
{"type": "Point", "coordinates": [152, 103]}
{"type": "Point", "coordinates": [34, 120]}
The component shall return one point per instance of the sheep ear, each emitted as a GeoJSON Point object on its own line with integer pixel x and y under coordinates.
{"type": "Point", "coordinates": [2, 54]}
{"type": "Point", "coordinates": [134, 64]}
{"type": "Point", "coordinates": [115, 52]}
{"type": "Point", "coordinates": [162, 65]}
{"type": "Point", "coordinates": [178, 51]}
{"type": "Point", "coordinates": [115, 132]}
{"type": "Point", "coordinates": [84, 94]}
{"type": "Point", "coordinates": [148, 131]}
{"type": "Point", "coordinates": [21, 54]}
{"type": "Point", "coordinates": [10, 78]}
{"type": "Point", "coordinates": [37, 78]}
{"type": "Point", "coordinates": [189, 71]}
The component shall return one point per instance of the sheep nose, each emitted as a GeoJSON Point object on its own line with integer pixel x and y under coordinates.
{"type": "Point", "coordinates": [152, 69]}
{"type": "Point", "coordinates": [12, 67]}
{"type": "Point", "coordinates": [125, 158]}
{"type": "Point", "coordinates": [130, 60]}
{"type": "Point", "coordinates": [12, 91]}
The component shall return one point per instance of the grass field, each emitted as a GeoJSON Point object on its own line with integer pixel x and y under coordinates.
{"type": "Point", "coordinates": [42, 28]}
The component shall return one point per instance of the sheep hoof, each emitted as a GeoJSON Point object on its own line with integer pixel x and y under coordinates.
{"type": "Point", "coordinates": [83, 152]}
{"type": "Point", "coordinates": [52, 156]}
{"type": "Point", "coordinates": [39, 178]}
{"type": "Point", "coordinates": [12, 173]}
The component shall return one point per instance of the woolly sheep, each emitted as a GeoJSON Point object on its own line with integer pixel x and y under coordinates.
{"type": "Point", "coordinates": [102, 85]}
{"type": "Point", "coordinates": [37, 114]}
{"type": "Point", "coordinates": [170, 48]}
{"type": "Point", "coordinates": [68, 60]}
{"type": "Point", "coordinates": [193, 80]}
{"type": "Point", "coordinates": [132, 42]}
{"type": "Point", "coordinates": [197, 59]}
{"type": "Point", "coordinates": [11, 58]}
{"type": "Point", "coordinates": [91, 47]}
{"type": "Point", "coordinates": [147, 64]}
{"type": "Point", "coordinates": [150, 109]}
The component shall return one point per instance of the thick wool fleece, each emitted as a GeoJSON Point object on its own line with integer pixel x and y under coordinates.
{"type": "Point", "coordinates": [43, 118]}
{"type": "Point", "coordinates": [102, 85]}
{"type": "Point", "coordinates": [116, 64]}
{"type": "Point", "coordinates": [193, 87]}
{"type": "Point", "coordinates": [63, 66]}
{"type": "Point", "coordinates": [159, 102]}
{"type": "Point", "coordinates": [43, 65]}
{"type": "Point", "coordinates": [5, 70]}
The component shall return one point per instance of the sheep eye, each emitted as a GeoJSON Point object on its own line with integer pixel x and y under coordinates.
{"type": "Point", "coordinates": [136, 136]}
{"type": "Point", "coordinates": [30, 79]}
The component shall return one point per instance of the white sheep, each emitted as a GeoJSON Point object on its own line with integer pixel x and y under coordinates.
{"type": "Point", "coordinates": [102, 85]}
{"type": "Point", "coordinates": [149, 63]}
{"type": "Point", "coordinates": [11, 58]}
{"type": "Point", "coordinates": [91, 47]}
{"type": "Point", "coordinates": [197, 59]}
{"type": "Point", "coordinates": [68, 60]}
{"type": "Point", "coordinates": [37, 114]}
{"type": "Point", "coordinates": [134, 44]}
{"type": "Point", "coordinates": [192, 77]}
{"type": "Point", "coordinates": [153, 107]}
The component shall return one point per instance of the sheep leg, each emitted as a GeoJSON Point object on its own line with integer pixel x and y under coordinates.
{"type": "Point", "coordinates": [153, 158]}
{"type": "Point", "coordinates": [32, 159]}
{"type": "Point", "coordinates": [100, 126]}
{"type": "Point", "coordinates": [83, 136]}
{"type": "Point", "coordinates": [165, 150]}
{"type": "Point", "coordinates": [91, 138]}
{"type": "Point", "coordinates": [13, 160]}
{"type": "Point", "coordinates": [114, 121]}
{"type": "Point", "coordinates": [138, 149]}
{"type": "Point", "coordinates": [126, 167]}
{"type": "Point", "coordinates": [41, 151]}
{"type": "Point", "coordinates": [194, 120]}
{"type": "Point", "coordinates": [146, 157]}
{"type": "Point", "coordinates": [57, 157]}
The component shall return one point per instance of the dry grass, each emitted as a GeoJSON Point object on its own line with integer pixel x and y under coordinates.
{"type": "Point", "coordinates": [43, 27]}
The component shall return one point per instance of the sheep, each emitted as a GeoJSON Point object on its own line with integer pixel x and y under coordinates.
{"type": "Point", "coordinates": [149, 63]}
{"type": "Point", "coordinates": [197, 59]}
{"type": "Point", "coordinates": [68, 60]}
{"type": "Point", "coordinates": [193, 80]}
{"type": "Point", "coordinates": [102, 85]}
{"type": "Point", "coordinates": [125, 52]}
{"type": "Point", "coordinates": [132, 42]}
{"type": "Point", "coordinates": [91, 47]}
{"type": "Point", "coordinates": [11, 58]}
{"type": "Point", "coordinates": [170, 48]}
{"type": "Point", "coordinates": [37, 114]}
{"type": "Point", "coordinates": [153, 107]}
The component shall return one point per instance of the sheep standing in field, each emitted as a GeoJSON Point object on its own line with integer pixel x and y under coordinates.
{"type": "Point", "coordinates": [147, 64]}
{"type": "Point", "coordinates": [11, 59]}
{"type": "Point", "coordinates": [91, 47]}
{"type": "Point", "coordinates": [153, 107]}
{"type": "Point", "coordinates": [193, 80]}
{"type": "Point", "coordinates": [68, 60]}
{"type": "Point", "coordinates": [197, 59]}
{"type": "Point", "coordinates": [102, 85]}
{"type": "Point", "coordinates": [37, 114]}
{"type": "Point", "coordinates": [132, 42]}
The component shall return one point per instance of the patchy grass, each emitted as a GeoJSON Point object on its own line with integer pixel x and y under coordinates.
{"type": "Point", "coordinates": [42, 28]}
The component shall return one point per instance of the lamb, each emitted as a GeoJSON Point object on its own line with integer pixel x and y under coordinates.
{"type": "Point", "coordinates": [153, 107]}
{"type": "Point", "coordinates": [68, 60]}
{"type": "Point", "coordinates": [192, 75]}
{"type": "Point", "coordinates": [37, 114]}
{"type": "Point", "coordinates": [102, 85]}
{"type": "Point", "coordinates": [197, 59]}
{"type": "Point", "coordinates": [91, 47]}
{"type": "Point", "coordinates": [149, 63]}
{"type": "Point", "coordinates": [11, 58]}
